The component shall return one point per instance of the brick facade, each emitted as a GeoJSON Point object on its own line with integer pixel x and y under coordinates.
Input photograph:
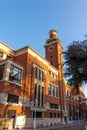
{"type": "Point", "coordinates": [25, 77]}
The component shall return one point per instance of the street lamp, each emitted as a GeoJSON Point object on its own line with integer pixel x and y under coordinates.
{"type": "Point", "coordinates": [34, 104]}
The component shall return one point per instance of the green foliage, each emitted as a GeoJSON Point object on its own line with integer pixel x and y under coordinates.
{"type": "Point", "coordinates": [76, 63]}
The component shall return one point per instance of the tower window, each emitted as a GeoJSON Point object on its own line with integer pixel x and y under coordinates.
{"type": "Point", "coordinates": [51, 62]}
{"type": "Point", "coordinates": [51, 57]}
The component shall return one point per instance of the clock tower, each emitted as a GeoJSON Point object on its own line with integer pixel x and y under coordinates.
{"type": "Point", "coordinates": [53, 53]}
{"type": "Point", "coordinates": [53, 50]}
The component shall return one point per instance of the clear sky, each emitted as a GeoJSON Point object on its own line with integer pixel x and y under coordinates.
{"type": "Point", "coordinates": [28, 22]}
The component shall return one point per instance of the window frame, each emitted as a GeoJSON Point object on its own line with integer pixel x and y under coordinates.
{"type": "Point", "coordinates": [13, 98]}
{"type": "Point", "coordinates": [53, 90]}
{"type": "Point", "coordinates": [8, 63]}
{"type": "Point", "coordinates": [11, 113]}
{"type": "Point", "coordinates": [17, 72]}
{"type": "Point", "coordinates": [39, 73]}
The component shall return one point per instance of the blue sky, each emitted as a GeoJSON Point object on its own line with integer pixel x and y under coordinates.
{"type": "Point", "coordinates": [28, 22]}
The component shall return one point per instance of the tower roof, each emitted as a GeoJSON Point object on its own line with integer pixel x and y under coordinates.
{"type": "Point", "coordinates": [52, 31]}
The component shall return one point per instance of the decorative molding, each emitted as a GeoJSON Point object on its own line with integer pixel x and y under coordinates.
{"type": "Point", "coordinates": [8, 49]}
{"type": "Point", "coordinates": [29, 50]}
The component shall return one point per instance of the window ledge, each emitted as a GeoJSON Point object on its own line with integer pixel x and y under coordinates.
{"type": "Point", "coordinates": [14, 104]}
{"type": "Point", "coordinates": [54, 96]}
{"type": "Point", "coordinates": [11, 82]}
{"type": "Point", "coordinates": [54, 109]}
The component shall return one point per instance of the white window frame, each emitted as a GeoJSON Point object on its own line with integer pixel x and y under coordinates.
{"type": "Point", "coordinates": [6, 73]}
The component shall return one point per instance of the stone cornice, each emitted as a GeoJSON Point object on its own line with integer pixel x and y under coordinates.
{"type": "Point", "coordinates": [5, 47]}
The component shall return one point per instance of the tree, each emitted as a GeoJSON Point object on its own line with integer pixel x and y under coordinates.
{"type": "Point", "coordinates": [76, 63]}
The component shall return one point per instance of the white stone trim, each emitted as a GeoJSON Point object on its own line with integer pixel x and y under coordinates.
{"type": "Point", "coordinates": [37, 56]}
{"type": "Point", "coordinates": [3, 98]}
{"type": "Point", "coordinates": [15, 64]}
{"type": "Point", "coordinates": [56, 85]}
{"type": "Point", "coordinates": [39, 109]}
{"type": "Point", "coordinates": [22, 101]}
{"type": "Point", "coordinates": [4, 56]}
{"type": "Point", "coordinates": [29, 50]}
{"type": "Point", "coordinates": [3, 46]}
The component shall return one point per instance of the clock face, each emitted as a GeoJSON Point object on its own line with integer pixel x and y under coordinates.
{"type": "Point", "coordinates": [51, 48]}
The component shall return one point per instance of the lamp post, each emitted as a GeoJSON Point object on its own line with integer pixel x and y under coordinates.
{"type": "Point", "coordinates": [77, 111]}
{"type": "Point", "coordinates": [34, 104]}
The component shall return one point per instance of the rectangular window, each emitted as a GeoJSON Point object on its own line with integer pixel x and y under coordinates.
{"type": "Point", "coordinates": [1, 71]}
{"type": "Point", "coordinates": [42, 76]}
{"type": "Point", "coordinates": [39, 98]}
{"type": "Point", "coordinates": [42, 103]}
{"type": "Point", "coordinates": [11, 113]}
{"type": "Point", "coordinates": [53, 90]}
{"type": "Point", "coordinates": [56, 91]}
{"type": "Point", "coordinates": [36, 72]}
{"type": "Point", "coordinates": [37, 115]}
{"type": "Point", "coordinates": [51, 115]}
{"type": "Point", "coordinates": [12, 99]}
{"type": "Point", "coordinates": [54, 106]}
{"type": "Point", "coordinates": [53, 75]}
{"type": "Point", "coordinates": [54, 114]}
{"type": "Point", "coordinates": [50, 73]}
{"type": "Point", "coordinates": [35, 91]}
{"type": "Point", "coordinates": [15, 74]}
{"type": "Point", "coordinates": [58, 115]}
{"type": "Point", "coordinates": [1, 54]}
{"type": "Point", "coordinates": [39, 74]}
{"type": "Point", "coordinates": [49, 89]}
{"type": "Point", "coordinates": [51, 62]}
{"type": "Point", "coordinates": [39, 95]}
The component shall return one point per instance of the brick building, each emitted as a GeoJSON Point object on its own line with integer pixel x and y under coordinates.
{"type": "Point", "coordinates": [29, 82]}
